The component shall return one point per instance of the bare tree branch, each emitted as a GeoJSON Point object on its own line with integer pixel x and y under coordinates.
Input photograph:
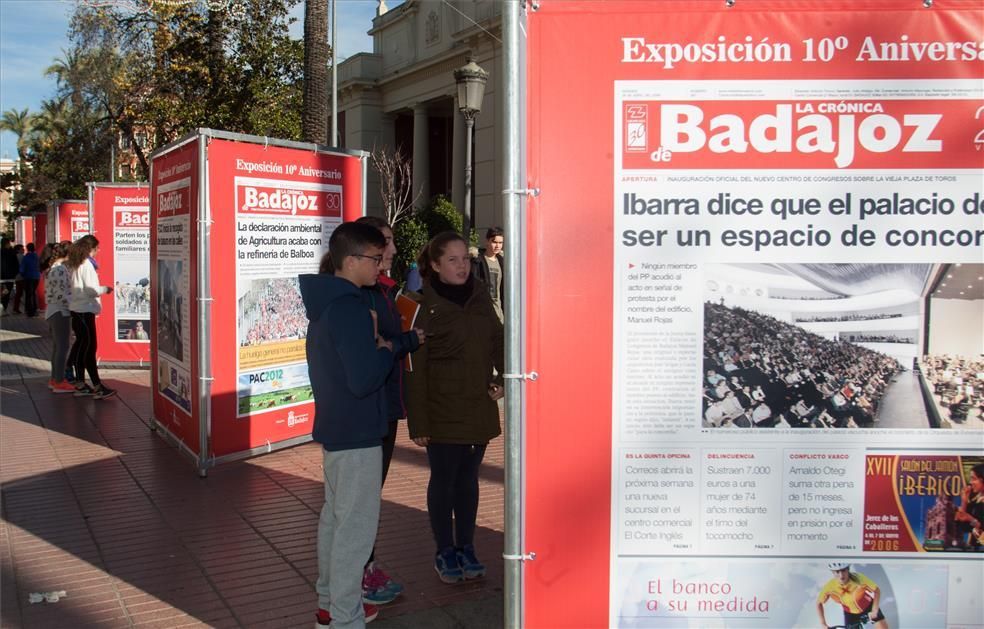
{"type": "Point", "coordinates": [395, 183]}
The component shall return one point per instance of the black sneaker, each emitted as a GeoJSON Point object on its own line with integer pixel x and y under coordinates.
{"type": "Point", "coordinates": [103, 392]}
{"type": "Point", "coordinates": [82, 390]}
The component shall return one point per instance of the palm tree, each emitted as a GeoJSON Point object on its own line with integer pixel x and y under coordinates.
{"type": "Point", "coordinates": [68, 70]}
{"type": "Point", "coordinates": [314, 112]}
{"type": "Point", "coordinates": [53, 117]}
{"type": "Point", "coordinates": [20, 123]}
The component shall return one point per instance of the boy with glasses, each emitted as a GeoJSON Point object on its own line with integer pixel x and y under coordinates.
{"type": "Point", "coordinates": [348, 363]}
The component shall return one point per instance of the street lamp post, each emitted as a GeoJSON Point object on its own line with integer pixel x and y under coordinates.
{"type": "Point", "coordinates": [471, 79]}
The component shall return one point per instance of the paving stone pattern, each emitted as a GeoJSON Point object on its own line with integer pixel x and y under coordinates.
{"type": "Point", "coordinates": [97, 505]}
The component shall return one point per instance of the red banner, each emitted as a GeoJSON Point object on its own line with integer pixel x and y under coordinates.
{"type": "Point", "coordinates": [635, 111]}
{"type": "Point", "coordinates": [40, 235]}
{"type": "Point", "coordinates": [802, 135]}
{"type": "Point", "coordinates": [68, 220]}
{"type": "Point", "coordinates": [174, 308]}
{"type": "Point", "coordinates": [121, 221]}
{"type": "Point", "coordinates": [273, 209]}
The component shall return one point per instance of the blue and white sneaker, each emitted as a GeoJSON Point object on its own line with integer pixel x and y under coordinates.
{"type": "Point", "coordinates": [470, 566]}
{"type": "Point", "coordinates": [446, 564]}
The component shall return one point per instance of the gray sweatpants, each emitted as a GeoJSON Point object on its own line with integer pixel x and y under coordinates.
{"type": "Point", "coordinates": [347, 530]}
{"type": "Point", "coordinates": [61, 334]}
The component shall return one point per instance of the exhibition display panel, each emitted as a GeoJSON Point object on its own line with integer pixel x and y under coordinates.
{"type": "Point", "coordinates": [40, 235]}
{"type": "Point", "coordinates": [763, 200]}
{"type": "Point", "coordinates": [234, 220]}
{"type": "Point", "coordinates": [67, 220]}
{"type": "Point", "coordinates": [23, 230]}
{"type": "Point", "coordinates": [40, 221]}
{"type": "Point", "coordinates": [119, 214]}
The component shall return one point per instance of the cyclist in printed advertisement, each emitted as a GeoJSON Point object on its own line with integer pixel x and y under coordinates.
{"type": "Point", "coordinates": [970, 513]}
{"type": "Point", "coordinates": [858, 595]}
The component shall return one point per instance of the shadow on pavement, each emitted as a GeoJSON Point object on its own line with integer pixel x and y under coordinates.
{"type": "Point", "coordinates": [97, 505]}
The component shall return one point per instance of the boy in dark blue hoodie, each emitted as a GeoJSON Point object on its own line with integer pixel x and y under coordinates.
{"type": "Point", "coordinates": [348, 362]}
{"type": "Point", "coordinates": [377, 586]}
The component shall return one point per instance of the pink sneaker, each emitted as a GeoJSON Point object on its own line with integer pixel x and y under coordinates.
{"type": "Point", "coordinates": [61, 387]}
{"type": "Point", "coordinates": [378, 588]}
{"type": "Point", "coordinates": [323, 618]}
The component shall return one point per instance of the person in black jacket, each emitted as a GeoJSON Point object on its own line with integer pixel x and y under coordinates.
{"type": "Point", "coordinates": [452, 396]}
{"type": "Point", "coordinates": [348, 363]}
{"type": "Point", "coordinates": [490, 267]}
{"type": "Point", "coordinates": [9, 267]}
{"type": "Point", "coordinates": [30, 271]}
{"type": "Point", "coordinates": [377, 586]}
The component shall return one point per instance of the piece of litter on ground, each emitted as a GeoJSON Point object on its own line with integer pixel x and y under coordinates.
{"type": "Point", "coordinates": [49, 597]}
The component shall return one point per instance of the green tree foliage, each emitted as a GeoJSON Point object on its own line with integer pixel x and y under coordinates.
{"type": "Point", "coordinates": [441, 216]}
{"type": "Point", "coordinates": [409, 236]}
{"type": "Point", "coordinates": [20, 123]}
{"type": "Point", "coordinates": [159, 74]}
{"type": "Point", "coordinates": [69, 147]}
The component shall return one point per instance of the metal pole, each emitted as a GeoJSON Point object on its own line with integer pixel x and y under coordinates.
{"type": "Point", "coordinates": [112, 159]}
{"type": "Point", "coordinates": [512, 178]}
{"type": "Point", "coordinates": [334, 82]}
{"type": "Point", "coordinates": [467, 221]}
{"type": "Point", "coordinates": [204, 298]}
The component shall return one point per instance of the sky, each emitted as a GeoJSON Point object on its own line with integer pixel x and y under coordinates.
{"type": "Point", "coordinates": [34, 32]}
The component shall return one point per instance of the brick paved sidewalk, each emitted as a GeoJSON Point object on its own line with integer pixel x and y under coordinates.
{"type": "Point", "coordinates": [96, 505]}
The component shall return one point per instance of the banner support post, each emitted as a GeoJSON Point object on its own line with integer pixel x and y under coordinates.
{"type": "Point", "coordinates": [204, 309]}
{"type": "Point", "coordinates": [512, 170]}
{"type": "Point", "coordinates": [90, 203]}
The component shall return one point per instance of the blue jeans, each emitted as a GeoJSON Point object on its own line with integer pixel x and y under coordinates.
{"type": "Point", "coordinates": [61, 333]}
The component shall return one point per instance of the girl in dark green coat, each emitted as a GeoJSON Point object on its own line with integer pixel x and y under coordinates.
{"type": "Point", "coordinates": [451, 395]}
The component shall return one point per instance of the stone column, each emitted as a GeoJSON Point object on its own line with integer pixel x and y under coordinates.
{"type": "Point", "coordinates": [421, 155]}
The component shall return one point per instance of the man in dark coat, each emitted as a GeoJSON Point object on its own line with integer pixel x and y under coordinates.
{"type": "Point", "coordinates": [9, 266]}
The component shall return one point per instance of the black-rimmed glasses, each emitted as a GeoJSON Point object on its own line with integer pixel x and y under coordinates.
{"type": "Point", "coordinates": [378, 259]}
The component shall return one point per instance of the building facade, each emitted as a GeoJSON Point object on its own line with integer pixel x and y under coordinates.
{"type": "Point", "coordinates": [403, 95]}
{"type": "Point", "coordinates": [7, 165]}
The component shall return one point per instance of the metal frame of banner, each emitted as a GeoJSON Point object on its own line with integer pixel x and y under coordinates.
{"type": "Point", "coordinates": [516, 374]}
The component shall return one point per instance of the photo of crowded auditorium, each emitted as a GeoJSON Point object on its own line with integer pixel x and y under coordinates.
{"type": "Point", "coordinates": [270, 311]}
{"type": "Point", "coordinates": [952, 368]}
{"type": "Point", "coordinates": [843, 346]}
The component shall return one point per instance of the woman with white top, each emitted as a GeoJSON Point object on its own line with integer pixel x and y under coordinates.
{"type": "Point", "coordinates": [84, 305]}
{"type": "Point", "coordinates": [57, 293]}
